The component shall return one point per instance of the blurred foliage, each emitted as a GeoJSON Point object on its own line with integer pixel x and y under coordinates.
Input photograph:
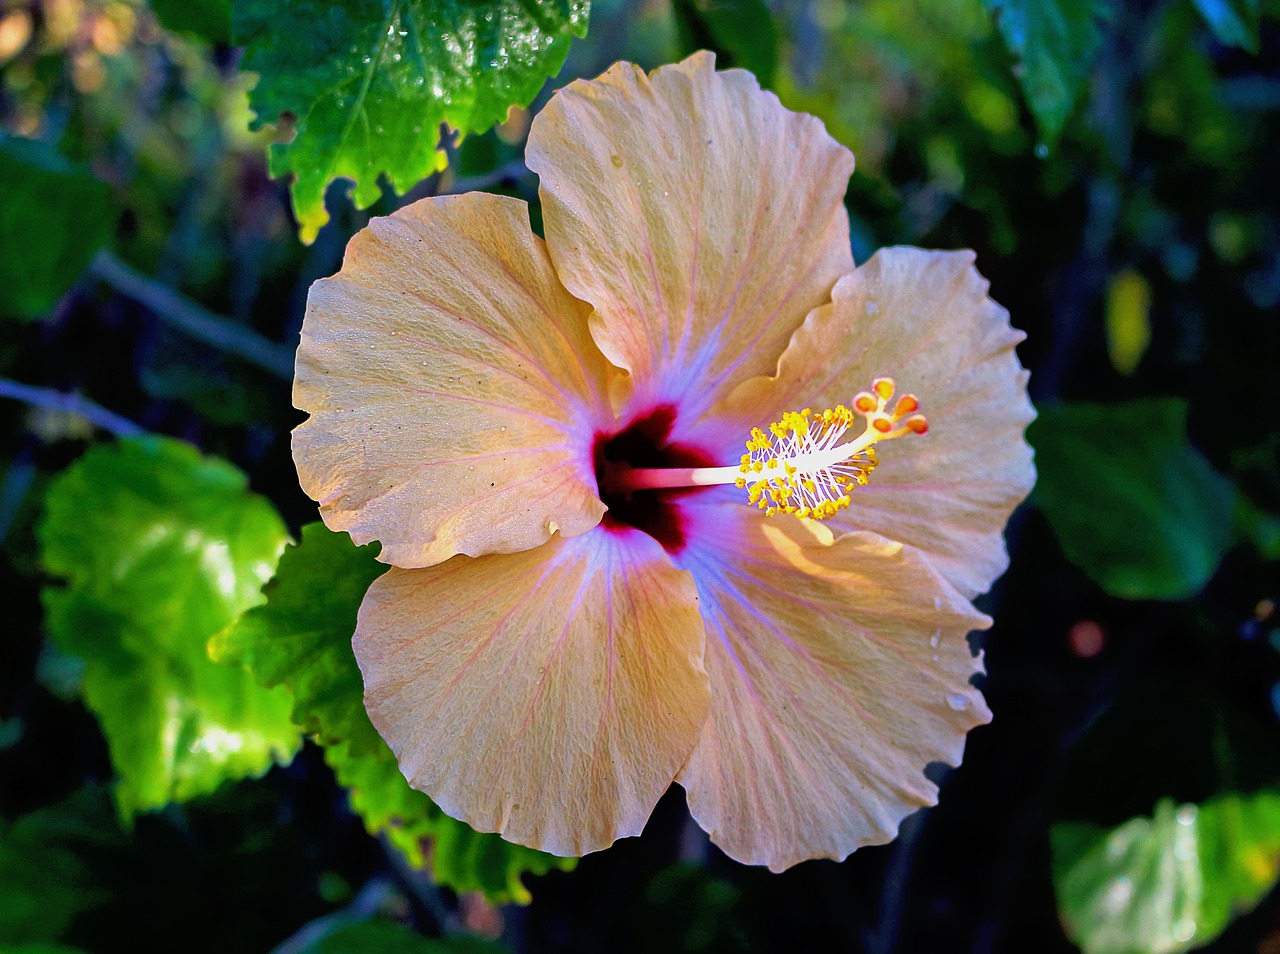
{"type": "Point", "coordinates": [1170, 882]}
{"type": "Point", "coordinates": [1055, 43]}
{"type": "Point", "coordinates": [301, 639]}
{"type": "Point", "coordinates": [160, 549]}
{"type": "Point", "coordinates": [224, 872]}
{"type": "Point", "coordinates": [207, 19]}
{"type": "Point", "coordinates": [370, 83]}
{"type": "Point", "coordinates": [387, 937]}
{"type": "Point", "coordinates": [742, 30]}
{"type": "Point", "coordinates": [38, 263]}
{"type": "Point", "coordinates": [1234, 22]}
{"type": "Point", "coordinates": [1140, 511]}
{"type": "Point", "coordinates": [688, 909]}
{"type": "Point", "coordinates": [40, 901]}
{"type": "Point", "coordinates": [1186, 834]}
{"type": "Point", "coordinates": [1113, 164]}
{"type": "Point", "coordinates": [1128, 318]}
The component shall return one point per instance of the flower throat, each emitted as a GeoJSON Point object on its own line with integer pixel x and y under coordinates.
{"type": "Point", "coordinates": [802, 465]}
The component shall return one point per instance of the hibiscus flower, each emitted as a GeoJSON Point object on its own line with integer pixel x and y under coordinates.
{"type": "Point", "coordinates": [606, 569]}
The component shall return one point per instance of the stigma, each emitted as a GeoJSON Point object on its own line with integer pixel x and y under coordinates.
{"type": "Point", "coordinates": [804, 465]}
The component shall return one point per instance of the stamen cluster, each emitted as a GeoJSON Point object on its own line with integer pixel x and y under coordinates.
{"type": "Point", "coordinates": [799, 466]}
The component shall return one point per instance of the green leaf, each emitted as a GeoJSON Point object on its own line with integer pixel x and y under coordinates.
{"type": "Point", "coordinates": [47, 871]}
{"type": "Point", "coordinates": [1168, 882]}
{"type": "Point", "coordinates": [1055, 42]}
{"type": "Point", "coordinates": [387, 937]}
{"type": "Point", "coordinates": [1234, 22]}
{"type": "Point", "coordinates": [301, 639]}
{"type": "Point", "coordinates": [208, 19]}
{"type": "Point", "coordinates": [53, 219]}
{"type": "Point", "coordinates": [370, 82]}
{"type": "Point", "coordinates": [1260, 528]}
{"type": "Point", "coordinates": [686, 908]}
{"type": "Point", "coordinates": [1131, 502]}
{"type": "Point", "coordinates": [161, 548]}
{"type": "Point", "coordinates": [741, 32]}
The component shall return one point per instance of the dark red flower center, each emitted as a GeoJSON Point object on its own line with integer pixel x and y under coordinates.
{"type": "Point", "coordinates": [645, 442]}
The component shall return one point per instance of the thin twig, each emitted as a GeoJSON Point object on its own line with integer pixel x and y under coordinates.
{"type": "Point", "coordinates": [430, 912]}
{"type": "Point", "coordinates": [94, 413]}
{"type": "Point", "coordinates": [364, 906]}
{"type": "Point", "coordinates": [887, 933]}
{"type": "Point", "coordinates": [184, 314]}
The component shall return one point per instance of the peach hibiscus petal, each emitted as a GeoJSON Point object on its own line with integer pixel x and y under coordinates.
{"type": "Point", "coordinates": [549, 695]}
{"type": "Point", "coordinates": [839, 669]}
{"type": "Point", "coordinates": [452, 386]}
{"type": "Point", "coordinates": [698, 216]}
{"type": "Point", "coordinates": [924, 319]}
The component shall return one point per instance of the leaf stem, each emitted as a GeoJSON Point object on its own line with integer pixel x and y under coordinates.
{"type": "Point", "coordinates": [184, 314]}
{"type": "Point", "coordinates": [69, 403]}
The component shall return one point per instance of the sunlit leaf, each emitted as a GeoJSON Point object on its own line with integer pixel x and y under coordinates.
{"type": "Point", "coordinates": [741, 31]}
{"type": "Point", "coordinates": [53, 219]}
{"type": "Point", "coordinates": [371, 81]}
{"type": "Point", "coordinates": [1169, 882]}
{"type": "Point", "coordinates": [1131, 502]}
{"type": "Point", "coordinates": [161, 548]}
{"type": "Point", "coordinates": [1234, 22]}
{"type": "Point", "coordinates": [301, 639]}
{"type": "Point", "coordinates": [1055, 42]}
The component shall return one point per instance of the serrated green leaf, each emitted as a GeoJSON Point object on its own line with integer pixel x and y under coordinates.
{"type": "Point", "coordinates": [742, 32]}
{"type": "Point", "coordinates": [1234, 22]}
{"type": "Point", "coordinates": [301, 639]}
{"type": "Point", "coordinates": [46, 872]}
{"type": "Point", "coordinates": [1055, 42]}
{"type": "Point", "coordinates": [53, 219]}
{"type": "Point", "coordinates": [208, 19]}
{"type": "Point", "coordinates": [161, 548]}
{"type": "Point", "coordinates": [371, 81]}
{"type": "Point", "coordinates": [458, 856]}
{"type": "Point", "coordinates": [1168, 882]}
{"type": "Point", "coordinates": [1131, 502]}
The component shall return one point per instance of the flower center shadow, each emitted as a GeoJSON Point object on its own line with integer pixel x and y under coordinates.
{"type": "Point", "coordinates": [645, 443]}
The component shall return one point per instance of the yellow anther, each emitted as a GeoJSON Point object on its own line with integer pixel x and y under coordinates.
{"type": "Point", "coordinates": [810, 460]}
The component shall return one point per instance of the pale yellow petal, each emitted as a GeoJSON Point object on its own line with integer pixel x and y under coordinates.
{"type": "Point", "coordinates": [453, 387]}
{"type": "Point", "coordinates": [700, 218]}
{"type": "Point", "coordinates": [549, 695]}
{"type": "Point", "coordinates": [924, 319]}
{"type": "Point", "coordinates": [839, 669]}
